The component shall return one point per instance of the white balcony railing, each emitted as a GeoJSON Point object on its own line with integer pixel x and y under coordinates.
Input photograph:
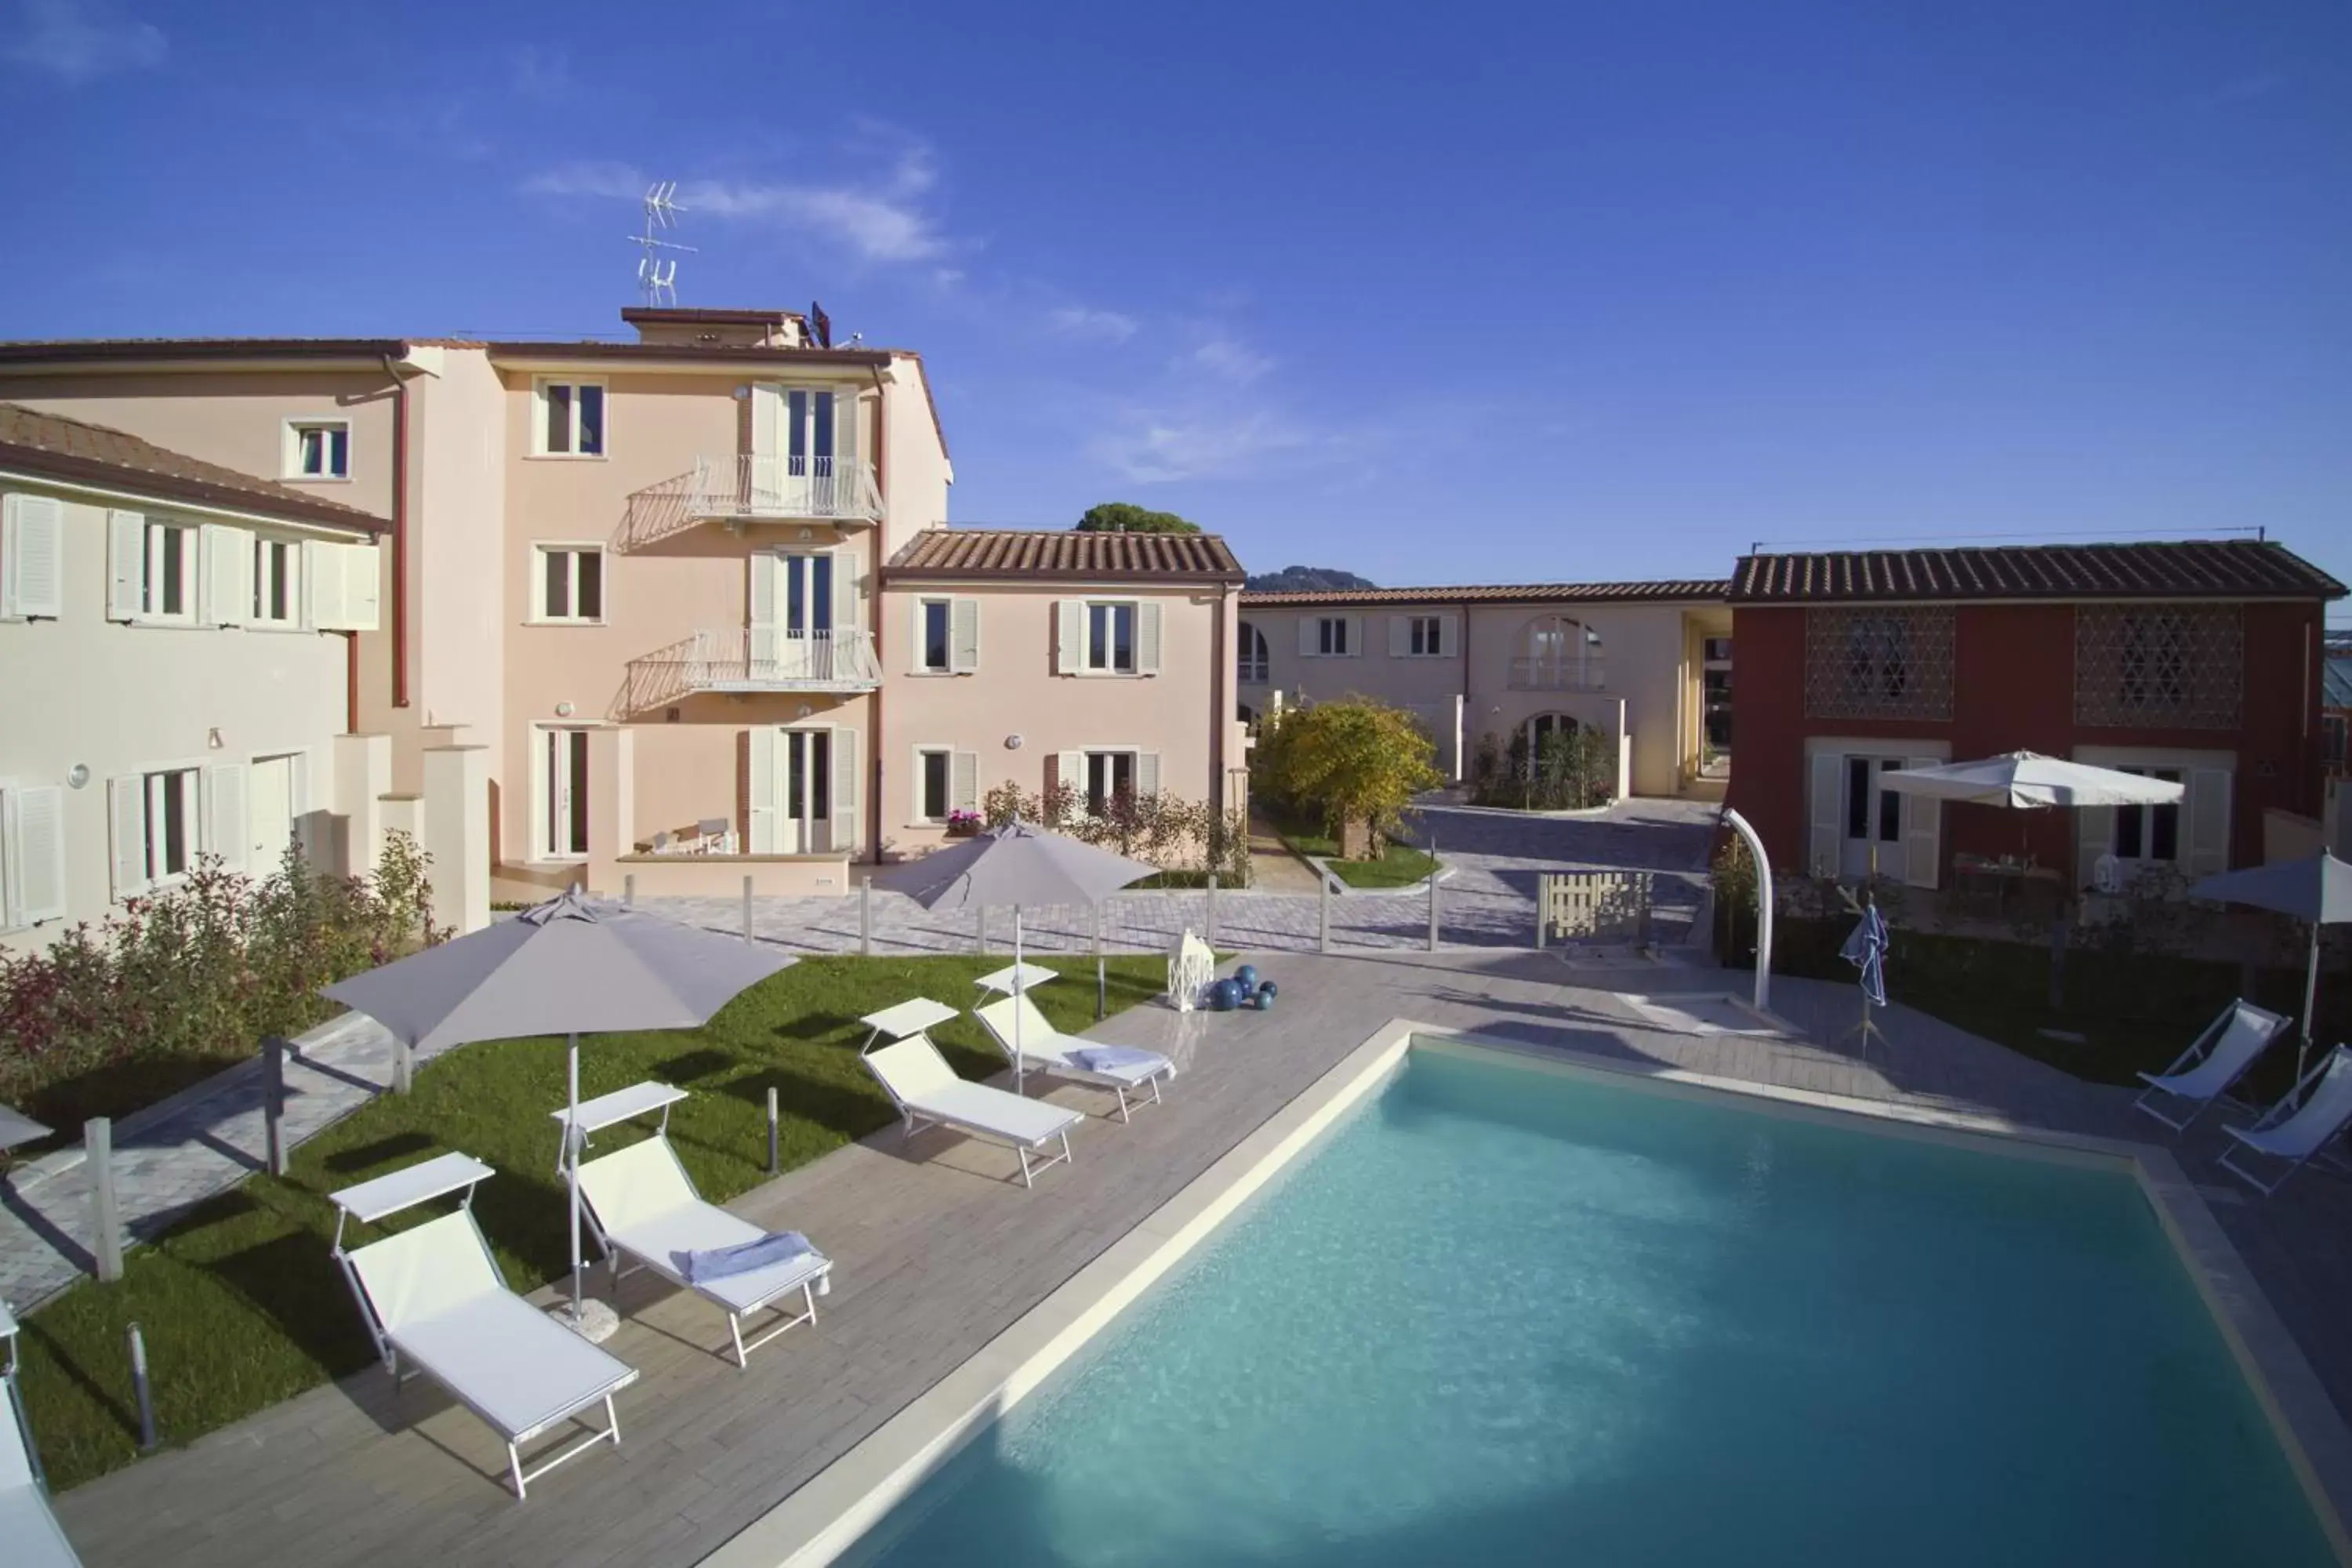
{"type": "Point", "coordinates": [745, 488]}
{"type": "Point", "coordinates": [754, 659]}
{"type": "Point", "coordinates": [1588, 674]}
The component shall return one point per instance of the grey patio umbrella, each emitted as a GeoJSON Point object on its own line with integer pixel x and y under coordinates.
{"type": "Point", "coordinates": [1016, 863]}
{"type": "Point", "coordinates": [567, 967]}
{"type": "Point", "coordinates": [15, 1128]}
{"type": "Point", "coordinates": [2317, 890]}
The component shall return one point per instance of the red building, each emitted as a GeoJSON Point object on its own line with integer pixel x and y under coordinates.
{"type": "Point", "coordinates": [2195, 660]}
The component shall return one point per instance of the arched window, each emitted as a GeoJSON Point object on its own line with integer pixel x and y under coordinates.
{"type": "Point", "coordinates": [1244, 713]}
{"type": "Point", "coordinates": [1557, 653]}
{"type": "Point", "coordinates": [1543, 727]}
{"type": "Point", "coordinates": [1253, 660]}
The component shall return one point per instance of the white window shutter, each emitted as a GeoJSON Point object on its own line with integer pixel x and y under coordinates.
{"type": "Point", "coordinates": [767, 417]}
{"type": "Point", "coordinates": [37, 852]}
{"type": "Point", "coordinates": [126, 802]}
{"type": "Point", "coordinates": [323, 586]}
{"type": "Point", "coordinates": [844, 790]}
{"type": "Point", "coordinates": [1146, 774]}
{"type": "Point", "coordinates": [1355, 636]}
{"type": "Point", "coordinates": [362, 587]}
{"type": "Point", "coordinates": [963, 780]}
{"type": "Point", "coordinates": [224, 567]}
{"type": "Point", "coordinates": [1070, 772]}
{"type": "Point", "coordinates": [2094, 836]}
{"type": "Point", "coordinates": [766, 576]}
{"type": "Point", "coordinates": [1147, 638]}
{"type": "Point", "coordinates": [1070, 640]}
{"type": "Point", "coordinates": [1400, 636]}
{"type": "Point", "coordinates": [32, 556]}
{"type": "Point", "coordinates": [1923, 833]}
{"type": "Point", "coordinates": [1310, 629]}
{"type": "Point", "coordinates": [963, 635]}
{"type": "Point", "coordinates": [1827, 790]}
{"type": "Point", "coordinates": [848, 431]}
{"type": "Point", "coordinates": [917, 652]}
{"type": "Point", "coordinates": [759, 789]}
{"type": "Point", "coordinates": [847, 567]}
{"type": "Point", "coordinates": [226, 829]}
{"type": "Point", "coordinates": [126, 562]}
{"type": "Point", "coordinates": [2206, 812]}
{"type": "Point", "coordinates": [1449, 635]}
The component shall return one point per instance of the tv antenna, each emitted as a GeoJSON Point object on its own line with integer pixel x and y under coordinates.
{"type": "Point", "coordinates": [657, 275]}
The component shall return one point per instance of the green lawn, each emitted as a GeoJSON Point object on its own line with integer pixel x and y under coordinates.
{"type": "Point", "coordinates": [1400, 866]}
{"type": "Point", "coordinates": [242, 1307]}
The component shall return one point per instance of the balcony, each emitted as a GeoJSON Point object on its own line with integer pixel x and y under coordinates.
{"type": "Point", "coordinates": [741, 487]}
{"type": "Point", "coordinates": [753, 658]}
{"type": "Point", "coordinates": [1588, 674]}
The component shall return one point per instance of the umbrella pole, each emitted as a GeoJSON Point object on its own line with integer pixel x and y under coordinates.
{"type": "Point", "coordinates": [1017, 1004]}
{"type": "Point", "coordinates": [2310, 1001]}
{"type": "Point", "coordinates": [571, 1165]}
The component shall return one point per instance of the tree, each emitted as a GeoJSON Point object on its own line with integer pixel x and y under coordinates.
{"type": "Point", "coordinates": [1126, 517]}
{"type": "Point", "coordinates": [1306, 580]}
{"type": "Point", "coordinates": [1356, 761]}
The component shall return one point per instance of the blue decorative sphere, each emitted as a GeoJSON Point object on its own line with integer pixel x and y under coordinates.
{"type": "Point", "coordinates": [1247, 976]}
{"type": "Point", "coordinates": [1269, 990]}
{"type": "Point", "coordinates": [1264, 1000]}
{"type": "Point", "coordinates": [1225, 996]}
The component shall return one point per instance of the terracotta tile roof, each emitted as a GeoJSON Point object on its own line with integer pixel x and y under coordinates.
{"type": "Point", "coordinates": [2173, 569]}
{"type": "Point", "coordinates": [1707, 589]}
{"type": "Point", "coordinates": [76, 351]}
{"type": "Point", "coordinates": [53, 447]}
{"type": "Point", "coordinates": [986, 552]}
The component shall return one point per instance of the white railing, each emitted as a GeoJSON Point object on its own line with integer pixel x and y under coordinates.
{"type": "Point", "coordinates": [754, 659]}
{"type": "Point", "coordinates": [746, 487]}
{"type": "Point", "coordinates": [1559, 674]}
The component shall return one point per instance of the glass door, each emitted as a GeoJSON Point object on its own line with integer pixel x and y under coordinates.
{"type": "Point", "coordinates": [791, 618]}
{"type": "Point", "coordinates": [1873, 820]}
{"type": "Point", "coordinates": [807, 783]}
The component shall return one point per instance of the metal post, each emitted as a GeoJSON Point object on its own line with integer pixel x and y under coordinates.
{"type": "Point", "coordinates": [1741, 825]}
{"type": "Point", "coordinates": [273, 1102]}
{"type": "Point", "coordinates": [629, 890]}
{"type": "Point", "coordinates": [1323, 885]}
{"type": "Point", "coordinates": [139, 1386]}
{"type": "Point", "coordinates": [1211, 935]}
{"type": "Point", "coordinates": [773, 1165]}
{"type": "Point", "coordinates": [403, 1067]}
{"type": "Point", "coordinates": [1432, 892]}
{"type": "Point", "coordinates": [980, 928]}
{"type": "Point", "coordinates": [1102, 979]}
{"type": "Point", "coordinates": [866, 916]}
{"type": "Point", "coordinates": [747, 906]}
{"type": "Point", "coordinates": [105, 1215]}
{"type": "Point", "coordinates": [1543, 906]}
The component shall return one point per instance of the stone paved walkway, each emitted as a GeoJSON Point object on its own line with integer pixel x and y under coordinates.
{"type": "Point", "coordinates": [171, 1158]}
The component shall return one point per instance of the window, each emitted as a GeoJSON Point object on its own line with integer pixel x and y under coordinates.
{"type": "Point", "coordinates": [1717, 650]}
{"type": "Point", "coordinates": [318, 449]}
{"type": "Point", "coordinates": [1878, 663]}
{"type": "Point", "coordinates": [570, 583]}
{"type": "Point", "coordinates": [169, 821]}
{"type": "Point", "coordinates": [572, 419]}
{"type": "Point", "coordinates": [2158, 667]}
{"type": "Point", "coordinates": [277, 579]}
{"type": "Point", "coordinates": [1331, 637]}
{"type": "Point", "coordinates": [1254, 666]}
{"type": "Point", "coordinates": [1557, 653]}
{"type": "Point", "coordinates": [2149, 832]}
{"type": "Point", "coordinates": [1109, 777]}
{"type": "Point", "coordinates": [934, 802]}
{"type": "Point", "coordinates": [935, 653]}
{"type": "Point", "coordinates": [1423, 633]}
{"type": "Point", "coordinates": [1110, 637]}
{"type": "Point", "coordinates": [167, 586]}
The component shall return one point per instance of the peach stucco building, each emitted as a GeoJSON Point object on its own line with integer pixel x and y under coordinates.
{"type": "Point", "coordinates": [653, 609]}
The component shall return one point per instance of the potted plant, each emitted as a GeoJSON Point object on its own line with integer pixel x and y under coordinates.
{"type": "Point", "coordinates": [964, 824]}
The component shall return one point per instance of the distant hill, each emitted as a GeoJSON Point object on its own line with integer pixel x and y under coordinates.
{"type": "Point", "coordinates": [1306, 580]}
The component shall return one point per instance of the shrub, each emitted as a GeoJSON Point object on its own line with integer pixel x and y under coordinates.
{"type": "Point", "coordinates": [1165, 829]}
{"type": "Point", "coordinates": [1354, 760]}
{"type": "Point", "coordinates": [177, 982]}
{"type": "Point", "coordinates": [1573, 770]}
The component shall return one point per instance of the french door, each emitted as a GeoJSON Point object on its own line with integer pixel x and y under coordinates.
{"type": "Point", "coordinates": [1873, 820]}
{"type": "Point", "coordinates": [563, 770]}
{"type": "Point", "coordinates": [805, 769]}
{"type": "Point", "coordinates": [791, 618]}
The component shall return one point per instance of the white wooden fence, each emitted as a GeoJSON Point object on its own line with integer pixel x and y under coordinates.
{"type": "Point", "coordinates": [1593, 906]}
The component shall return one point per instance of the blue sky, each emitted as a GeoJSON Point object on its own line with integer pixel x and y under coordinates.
{"type": "Point", "coordinates": [1432, 293]}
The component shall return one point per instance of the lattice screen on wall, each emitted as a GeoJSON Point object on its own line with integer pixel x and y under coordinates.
{"type": "Point", "coordinates": [2159, 666]}
{"type": "Point", "coordinates": [1879, 664]}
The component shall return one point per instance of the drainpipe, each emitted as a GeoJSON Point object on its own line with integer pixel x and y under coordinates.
{"type": "Point", "coordinates": [399, 541]}
{"type": "Point", "coordinates": [1221, 703]}
{"type": "Point", "coordinates": [873, 626]}
{"type": "Point", "coordinates": [350, 682]}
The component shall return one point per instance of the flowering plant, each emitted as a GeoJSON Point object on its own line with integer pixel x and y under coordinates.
{"type": "Point", "coordinates": [964, 824]}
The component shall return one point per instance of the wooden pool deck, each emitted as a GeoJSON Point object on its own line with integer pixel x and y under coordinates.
{"type": "Point", "coordinates": [938, 1248]}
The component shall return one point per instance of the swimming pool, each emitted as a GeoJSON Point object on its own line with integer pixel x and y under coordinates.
{"type": "Point", "coordinates": [1506, 1315]}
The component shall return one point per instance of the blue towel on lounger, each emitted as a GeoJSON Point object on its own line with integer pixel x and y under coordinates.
{"type": "Point", "coordinates": [742, 1259]}
{"type": "Point", "coordinates": [1116, 1058]}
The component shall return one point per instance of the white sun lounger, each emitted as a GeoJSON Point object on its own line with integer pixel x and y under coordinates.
{"type": "Point", "coordinates": [2213, 1063]}
{"type": "Point", "coordinates": [30, 1536]}
{"type": "Point", "coordinates": [928, 1093]}
{"type": "Point", "coordinates": [641, 1205]}
{"type": "Point", "coordinates": [2304, 1121]}
{"type": "Point", "coordinates": [432, 1296]}
{"type": "Point", "coordinates": [1046, 1049]}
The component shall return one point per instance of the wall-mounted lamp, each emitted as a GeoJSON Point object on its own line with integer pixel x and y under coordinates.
{"type": "Point", "coordinates": [213, 739]}
{"type": "Point", "coordinates": [804, 711]}
{"type": "Point", "coordinates": [563, 710]}
{"type": "Point", "coordinates": [78, 776]}
{"type": "Point", "coordinates": [1012, 743]}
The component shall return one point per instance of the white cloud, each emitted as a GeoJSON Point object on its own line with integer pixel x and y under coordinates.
{"type": "Point", "coordinates": [542, 74]}
{"type": "Point", "coordinates": [1159, 446]}
{"type": "Point", "coordinates": [883, 220]}
{"type": "Point", "coordinates": [589, 177]}
{"type": "Point", "coordinates": [1230, 360]}
{"type": "Point", "coordinates": [77, 40]}
{"type": "Point", "coordinates": [1086, 323]}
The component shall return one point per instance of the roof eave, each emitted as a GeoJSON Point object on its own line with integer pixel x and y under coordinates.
{"type": "Point", "coordinates": [38, 463]}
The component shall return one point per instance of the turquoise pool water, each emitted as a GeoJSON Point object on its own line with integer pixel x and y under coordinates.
{"type": "Point", "coordinates": [1507, 1316]}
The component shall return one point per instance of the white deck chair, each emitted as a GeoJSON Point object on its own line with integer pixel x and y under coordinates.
{"type": "Point", "coordinates": [1046, 1049]}
{"type": "Point", "coordinates": [432, 1296]}
{"type": "Point", "coordinates": [928, 1092]}
{"type": "Point", "coordinates": [642, 1204]}
{"type": "Point", "coordinates": [30, 1536]}
{"type": "Point", "coordinates": [2213, 1063]}
{"type": "Point", "coordinates": [2300, 1125]}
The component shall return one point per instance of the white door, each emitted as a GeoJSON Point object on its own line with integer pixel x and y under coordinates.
{"type": "Point", "coordinates": [563, 779]}
{"type": "Point", "coordinates": [270, 805]}
{"type": "Point", "coordinates": [805, 773]}
{"type": "Point", "coordinates": [1873, 843]}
